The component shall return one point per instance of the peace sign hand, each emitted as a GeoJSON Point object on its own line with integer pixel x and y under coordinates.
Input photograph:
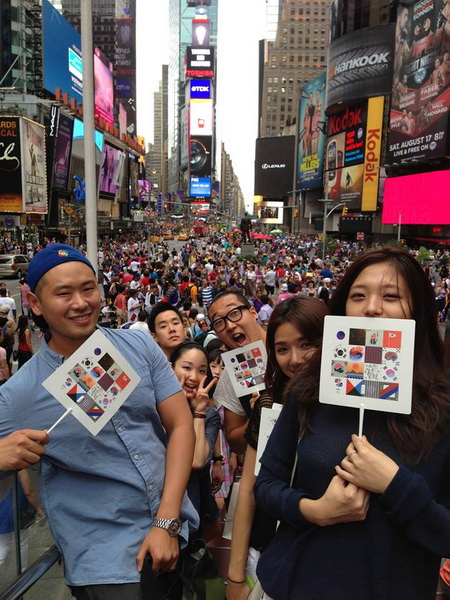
{"type": "Point", "coordinates": [200, 398]}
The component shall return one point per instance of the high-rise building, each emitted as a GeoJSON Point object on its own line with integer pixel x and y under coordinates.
{"type": "Point", "coordinates": [181, 14]}
{"type": "Point", "coordinates": [298, 55]}
{"type": "Point", "coordinates": [113, 32]}
{"type": "Point", "coordinates": [21, 46]}
{"type": "Point", "coordinates": [158, 164]}
{"type": "Point", "coordinates": [104, 15]}
{"type": "Point", "coordinates": [231, 201]}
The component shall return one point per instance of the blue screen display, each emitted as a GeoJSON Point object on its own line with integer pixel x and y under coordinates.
{"type": "Point", "coordinates": [200, 187]}
{"type": "Point", "coordinates": [63, 66]}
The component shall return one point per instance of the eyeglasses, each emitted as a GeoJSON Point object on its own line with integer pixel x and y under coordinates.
{"type": "Point", "coordinates": [234, 315]}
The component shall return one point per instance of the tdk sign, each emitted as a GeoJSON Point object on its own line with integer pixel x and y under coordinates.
{"type": "Point", "coordinates": [200, 89]}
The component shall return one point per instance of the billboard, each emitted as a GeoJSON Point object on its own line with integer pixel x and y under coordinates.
{"type": "Point", "coordinates": [10, 165]}
{"type": "Point", "coordinates": [353, 154]}
{"type": "Point", "coordinates": [125, 64]}
{"type": "Point", "coordinates": [201, 30]}
{"type": "Point", "coordinates": [200, 89]}
{"type": "Point", "coordinates": [62, 62]}
{"type": "Point", "coordinates": [200, 187]}
{"type": "Point", "coordinates": [200, 61]}
{"type": "Point", "coordinates": [274, 166]}
{"type": "Point", "coordinates": [34, 176]}
{"type": "Point", "coordinates": [271, 212]}
{"type": "Point", "coordinates": [78, 134]}
{"type": "Point", "coordinates": [372, 153]}
{"type": "Point", "coordinates": [312, 135]}
{"type": "Point", "coordinates": [133, 176]}
{"type": "Point", "coordinates": [103, 86]}
{"type": "Point", "coordinates": [201, 117]}
{"type": "Point", "coordinates": [360, 65]}
{"type": "Point", "coordinates": [111, 169]}
{"type": "Point", "coordinates": [417, 199]}
{"type": "Point", "coordinates": [184, 138]}
{"type": "Point", "coordinates": [355, 224]}
{"type": "Point", "coordinates": [62, 153]}
{"type": "Point", "coordinates": [421, 80]}
{"type": "Point", "coordinates": [200, 155]}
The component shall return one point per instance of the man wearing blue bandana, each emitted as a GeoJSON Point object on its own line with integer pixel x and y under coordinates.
{"type": "Point", "coordinates": [113, 498]}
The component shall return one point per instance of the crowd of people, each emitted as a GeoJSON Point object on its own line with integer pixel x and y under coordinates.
{"type": "Point", "coordinates": [359, 517]}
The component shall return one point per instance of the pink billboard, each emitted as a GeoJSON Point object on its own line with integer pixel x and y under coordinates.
{"type": "Point", "coordinates": [417, 199]}
{"type": "Point", "coordinates": [104, 91]}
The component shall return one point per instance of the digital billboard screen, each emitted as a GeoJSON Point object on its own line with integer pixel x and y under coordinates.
{"type": "Point", "coordinates": [200, 187]}
{"type": "Point", "coordinates": [62, 153]}
{"type": "Point", "coordinates": [312, 135]}
{"type": "Point", "coordinates": [201, 117]}
{"type": "Point", "coordinates": [201, 30]}
{"type": "Point", "coordinates": [360, 65]}
{"type": "Point", "coordinates": [274, 166]}
{"type": "Point", "coordinates": [62, 62]}
{"type": "Point", "coordinates": [345, 154]}
{"type": "Point", "coordinates": [125, 63]}
{"type": "Point", "coordinates": [111, 169]}
{"type": "Point", "coordinates": [78, 134]}
{"type": "Point", "coordinates": [200, 89]}
{"type": "Point", "coordinates": [200, 155]}
{"type": "Point", "coordinates": [421, 84]}
{"type": "Point", "coordinates": [271, 212]}
{"type": "Point", "coordinates": [104, 90]}
{"type": "Point", "coordinates": [200, 61]}
{"type": "Point", "coordinates": [417, 199]}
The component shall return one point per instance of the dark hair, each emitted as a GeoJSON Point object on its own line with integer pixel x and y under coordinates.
{"type": "Point", "coordinates": [158, 309]}
{"type": "Point", "coordinates": [193, 313]}
{"type": "Point", "coordinates": [214, 344]}
{"type": "Point", "coordinates": [264, 299]}
{"type": "Point", "coordinates": [185, 347]}
{"type": "Point", "coordinates": [306, 315]}
{"type": "Point", "coordinates": [414, 435]}
{"type": "Point", "coordinates": [242, 299]}
{"type": "Point", "coordinates": [22, 325]}
{"type": "Point", "coordinates": [215, 355]}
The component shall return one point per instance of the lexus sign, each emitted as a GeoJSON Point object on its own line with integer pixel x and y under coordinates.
{"type": "Point", "coordinates": [274, 166]}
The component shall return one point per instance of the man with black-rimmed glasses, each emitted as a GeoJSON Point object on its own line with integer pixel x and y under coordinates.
{"type": "Point", "coordinates": [234, 321]}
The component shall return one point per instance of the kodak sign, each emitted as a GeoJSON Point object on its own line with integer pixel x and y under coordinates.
{"type": "Point", "coordinates": [372, 153]}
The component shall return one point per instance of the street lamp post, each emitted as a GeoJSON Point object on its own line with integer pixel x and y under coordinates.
{"type": "Point", "coordinates": [325, 217]}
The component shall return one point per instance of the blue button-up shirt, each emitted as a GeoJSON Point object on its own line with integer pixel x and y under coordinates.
{"type": "Point", "coordinates": [101, 492]}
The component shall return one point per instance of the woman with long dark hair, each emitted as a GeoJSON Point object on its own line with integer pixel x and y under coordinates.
{"type": "Point", "coordinates": [25, 348]}
{"type": "Point", "coordinates": [294, 331]}
{"type": "Point", "coordinates": [366, 518]}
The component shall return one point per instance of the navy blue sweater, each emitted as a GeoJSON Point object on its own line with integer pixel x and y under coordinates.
{"type": "Point", "coordinates": [394, 553]}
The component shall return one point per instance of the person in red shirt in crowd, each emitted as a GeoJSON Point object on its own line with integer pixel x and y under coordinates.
{"type": "Point", "coordinates": [145, 281]}
{"type": "Point", "coordinates": [214, 274]}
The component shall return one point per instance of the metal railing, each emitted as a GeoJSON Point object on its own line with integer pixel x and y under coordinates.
{"type": "Point", "coordinates": [32, 575]}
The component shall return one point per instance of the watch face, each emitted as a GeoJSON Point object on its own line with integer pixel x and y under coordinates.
{"type": "Point", "coordinates": [174, 527]}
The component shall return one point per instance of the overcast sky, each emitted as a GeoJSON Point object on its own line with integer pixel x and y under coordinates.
{"type": "Point", "coordinates": [241, 26]}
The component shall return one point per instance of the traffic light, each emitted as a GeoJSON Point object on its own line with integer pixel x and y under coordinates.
{"type": "Point", "coordinates": [344, 211]}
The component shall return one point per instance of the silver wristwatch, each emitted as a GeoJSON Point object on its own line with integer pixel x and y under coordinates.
{"type": "Point", "coordinates": [172, 526]}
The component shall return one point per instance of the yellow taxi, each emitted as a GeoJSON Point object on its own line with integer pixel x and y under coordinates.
{"type": "Point", "coordinates": [183, 236]}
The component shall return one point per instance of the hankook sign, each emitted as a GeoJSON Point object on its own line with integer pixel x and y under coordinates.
{"type": "Point", "coordinates": [360, 65]}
